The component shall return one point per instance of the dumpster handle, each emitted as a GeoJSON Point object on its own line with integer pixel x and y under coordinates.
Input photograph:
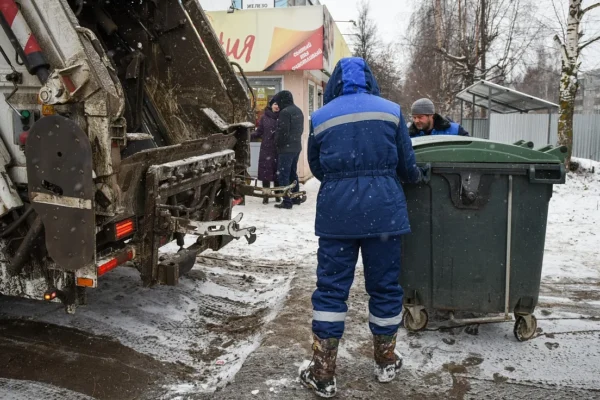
{"type": "Point", "coordinates": [508, 245]}
{"type": "Point", "coordinates": [558, 179]}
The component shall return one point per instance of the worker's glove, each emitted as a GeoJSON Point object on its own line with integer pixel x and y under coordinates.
{"type": "Point", "coordinates": [425, 173]}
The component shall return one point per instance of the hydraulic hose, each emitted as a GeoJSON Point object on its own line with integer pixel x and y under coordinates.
{"type": "Point", "coordinates": [12, 227]}
{"type": "Point", "coordinates": [24, 250]}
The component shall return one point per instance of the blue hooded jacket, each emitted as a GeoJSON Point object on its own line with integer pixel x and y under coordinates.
{"type": "Point", "coordinates": [359, 148]}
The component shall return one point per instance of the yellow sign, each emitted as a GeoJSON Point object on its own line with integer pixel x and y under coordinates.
{"type": "Point", "coordinates": [280, 39]}
{"type": "Point", "coordinates": [261, 99]}
{"type": "Point", "coordinates": [48, 109]}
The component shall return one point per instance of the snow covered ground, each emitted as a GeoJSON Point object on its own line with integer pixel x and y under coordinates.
{"type": "Point", "coordinates": [561, 361]}
{"type": "Point", "coordinates": [247, 309]}
{"type": "Point", "coordinates": [215, 317]}
{"type": "Point", "coordinates": [573, 234]}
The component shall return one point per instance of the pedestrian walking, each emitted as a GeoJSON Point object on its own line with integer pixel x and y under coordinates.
{"type": "Point", "coordinates": [267, 158]}
{"type": "Point", "coordinates": [427, 122]}
{"type": "Point", "coordinates": [288, 135]}
{"type": "Point", "coordinates": [360, 150]}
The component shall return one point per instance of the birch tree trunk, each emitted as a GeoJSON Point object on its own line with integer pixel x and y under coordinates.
{"type": "Point", "coordinates": [570, 52]}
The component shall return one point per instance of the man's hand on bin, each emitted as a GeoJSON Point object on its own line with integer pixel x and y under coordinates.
{"type": "Point", "coordinates": [425, 173]}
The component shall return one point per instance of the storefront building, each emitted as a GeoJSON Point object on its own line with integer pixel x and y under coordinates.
{"type": "Point", "coordinates": [282, 47]}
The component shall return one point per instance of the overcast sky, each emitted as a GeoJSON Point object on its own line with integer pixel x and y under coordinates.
{"type": "Point", "coordinates": [392, 18]}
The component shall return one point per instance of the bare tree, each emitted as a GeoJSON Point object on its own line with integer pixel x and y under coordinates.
{"type": "Point", "coordinates": [571, 44]}
{"type": "Point", "coordinates": [493, 36]}
{"type": "Point", "coordinates": [476, 39]}
{"type": "Point", "coordinates": [381, 58]}
{"type": "Point", "coordinates": [541, 78]}
{"type": "Point", "coordinates": [366, 42]}
{"type": "Point", "coordinates": [385, 69]}
{"type": "Point", "coordinates": [427, 74]}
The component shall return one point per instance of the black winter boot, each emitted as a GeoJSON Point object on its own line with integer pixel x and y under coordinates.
{"type": "Point", "coordinates": [319, 375]}
{"type": "Point", "coordinates": [386, 360]}
{"type": "Point", "coordinates": [266, 184]}
{"type": "Point", "coordinates": [277, 199]}
{"type": "Point", "coordinates": [299, 200]}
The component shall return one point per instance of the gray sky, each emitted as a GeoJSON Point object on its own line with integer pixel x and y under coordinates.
{"type": "Point", "coordinates": [392, 18]}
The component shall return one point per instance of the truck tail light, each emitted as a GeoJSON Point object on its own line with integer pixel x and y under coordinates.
{"type": "Point", "coordinates": [121, 258]}
{"type": "Point", "coordinates": [124, 228]}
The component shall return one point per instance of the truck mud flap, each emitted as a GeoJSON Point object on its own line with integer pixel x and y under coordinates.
{"type": "Point", "coordinates": [61, 189]}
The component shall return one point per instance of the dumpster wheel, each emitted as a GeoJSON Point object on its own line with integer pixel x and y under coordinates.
{"type": "Point", "coordinates": [522, 331]}
{"type": "Point", "coordinates": [412, 325]}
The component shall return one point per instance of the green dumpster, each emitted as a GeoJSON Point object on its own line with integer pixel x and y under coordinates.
{"type": "Point", "coordinates": [478, 230]}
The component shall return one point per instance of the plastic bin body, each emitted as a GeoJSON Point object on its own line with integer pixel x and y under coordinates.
{"type": "Point", "coordinates": [456, 256]}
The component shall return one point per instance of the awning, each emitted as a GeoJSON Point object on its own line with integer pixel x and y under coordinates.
{"type": "Point", "coordinates": [503, 100]}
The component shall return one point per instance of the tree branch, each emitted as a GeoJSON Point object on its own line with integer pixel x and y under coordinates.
{"type": "Point", "coordinates": [563, 49]}
{"type": "Point", "coordinates": [450, 57]}
{"type": "Point", "coordinates": [588, 42]}
{"type": "Point", "coordinates": [561, 22]}
{"type": "Point", "coordinates": [590, 8]}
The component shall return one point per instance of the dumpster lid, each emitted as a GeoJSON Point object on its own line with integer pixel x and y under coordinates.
{"type": "Point", "coordinates": [451, 148]}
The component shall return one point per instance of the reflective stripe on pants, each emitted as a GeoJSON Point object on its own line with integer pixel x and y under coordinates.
{"type": "Point", "coordinates": [326, 316]}
{"type": "Point", "coordinates": [383, 322]}
{"type": "Point", "coordinates": [335, 272]}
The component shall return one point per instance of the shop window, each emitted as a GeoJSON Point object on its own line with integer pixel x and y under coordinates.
{"type": "Point", "coordinates": [319, 99]}
{"type": "Point", "coordinates": [311, 98]}
{"type": "Point", "coordinates": [264, 90]}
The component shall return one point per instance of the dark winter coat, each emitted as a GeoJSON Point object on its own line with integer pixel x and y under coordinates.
{"type": "Point", "coordinates": [360, 149]}
{"type": "Point", "coordinates": [441, 126]}
{"type": "Point", "coordinates": [290, 124]}
{"type": "Point", "coordinates": [267, 159]}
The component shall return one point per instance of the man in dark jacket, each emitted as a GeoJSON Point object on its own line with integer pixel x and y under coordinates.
{"type": "Point", "coordinates": [288, 136]}
{"type": "Point", "coordinates": [360, 150]}
{"type": "Point", "coordinates": [427, 122]}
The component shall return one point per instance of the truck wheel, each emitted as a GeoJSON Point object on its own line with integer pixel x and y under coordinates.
{"type": "Point", "coordinates": [411, 325]}
{"type": "Point", "coordinates": [522, 331]}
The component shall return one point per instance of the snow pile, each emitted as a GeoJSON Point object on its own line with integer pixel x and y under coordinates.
{"type": "Point", "coordinates": [573, 238]}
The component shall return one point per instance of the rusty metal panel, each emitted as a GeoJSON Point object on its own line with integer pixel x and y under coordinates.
{"type": "Point", "coordinates": [187, 69]}
{"type": "Point", "coordinates": [164, 181]}
{"type": "Point", "coordinates": [132, 174]}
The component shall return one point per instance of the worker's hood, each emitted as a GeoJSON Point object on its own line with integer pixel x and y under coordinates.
{"type": "Point", "coordinates": [351, 75]}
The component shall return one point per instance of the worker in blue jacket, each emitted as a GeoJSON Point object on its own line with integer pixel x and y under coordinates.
{"type": "Point", "coordinates": [427, 122]}
{"type": "Point", "coordinates": [360, 150]}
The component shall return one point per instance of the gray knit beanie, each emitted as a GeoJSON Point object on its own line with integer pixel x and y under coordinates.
{"type": "Point", "coordinates": [422, 107]}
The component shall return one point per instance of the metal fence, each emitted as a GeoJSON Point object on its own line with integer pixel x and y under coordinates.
{"type": "Point", "coordinates": [509, 128]}
{"type": "Point", "coordinates": [478, 128]}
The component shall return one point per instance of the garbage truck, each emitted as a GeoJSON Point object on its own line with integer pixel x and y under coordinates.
{"type": "Point", "coordinates": [124, 128]}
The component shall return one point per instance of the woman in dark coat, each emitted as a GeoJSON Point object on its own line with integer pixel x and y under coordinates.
{"type": "Point", "coordinates": [267, 159]}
